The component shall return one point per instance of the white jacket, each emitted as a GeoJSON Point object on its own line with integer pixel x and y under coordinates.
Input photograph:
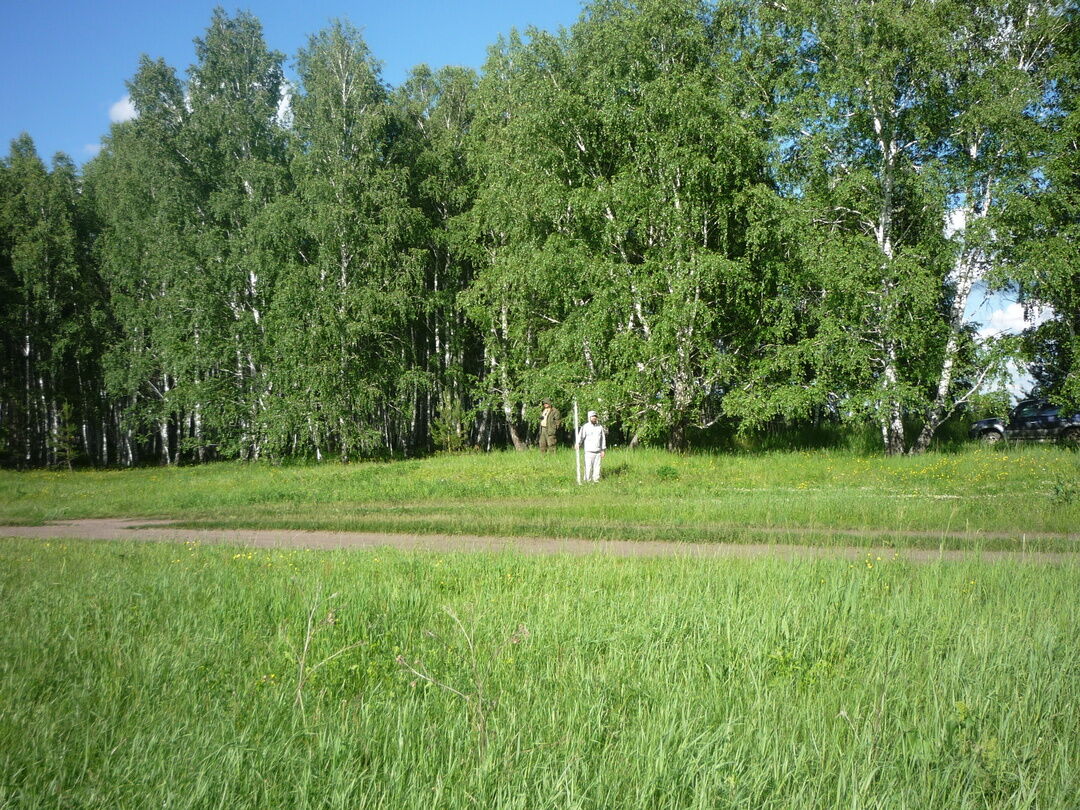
{"type": "Point", "coordinates": [592, 437]}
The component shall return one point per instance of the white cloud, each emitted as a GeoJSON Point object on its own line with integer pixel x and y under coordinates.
{"type": "Point", "coordinates": [122, 110]}
{"type": "Point", "coordinates": [284, 110]}
{"type": "Point", "coordinates": [955, 222]}
{"type": "Point", "coordinates": [995, 316]}
{"type": "Point", "coordinates": [1017, 381]}
{"type": "Point", "coordinates": [1010, 320]}
{"type": "Point", "coordinates": [92, 149]}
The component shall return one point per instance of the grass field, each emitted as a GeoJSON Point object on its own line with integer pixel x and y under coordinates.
{"type": "Point", "coordinates": [185, 675]}
{"type": "Point", "coordinates": [977, 498]}
{"type": "Point", "coordinates": [136, 676]}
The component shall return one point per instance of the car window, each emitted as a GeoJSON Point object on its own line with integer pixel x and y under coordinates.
{"type": "Point", "coordinates": [1049, 410]}
{"type": "Point", "coordinates": [1026, 410]}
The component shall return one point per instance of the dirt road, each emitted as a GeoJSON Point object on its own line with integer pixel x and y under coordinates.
{"type": "Point", "coordinates": [165, 531]}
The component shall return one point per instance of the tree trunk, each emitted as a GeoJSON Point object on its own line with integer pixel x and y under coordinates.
{"type": "Point", "coordinates": [677, 435]}
{"type": "Point", "coordinates": [508, 411]}
{"type": "Point", "coordinates": [504, 391]}
{"type": "Point", "coordinates": [967, 272]}
{"type": "Point", "coordinates": [197, 432]}
{"type": "Point", "coordinates": [892, 420]}
{"type": "Point", "coordinates": [164, 426]}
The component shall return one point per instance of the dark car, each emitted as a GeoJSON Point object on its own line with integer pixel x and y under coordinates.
{"type": "Point", "coordinates": [1030, 420]}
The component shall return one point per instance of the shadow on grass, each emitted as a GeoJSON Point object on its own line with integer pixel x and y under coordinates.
{"type": "Point", "coordinates": [615, 470]}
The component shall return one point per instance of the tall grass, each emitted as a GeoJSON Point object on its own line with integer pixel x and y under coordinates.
{"type": "Point", "coordinates": [993, 499]}
{"type": "Point", "coordinates": [192, 676]}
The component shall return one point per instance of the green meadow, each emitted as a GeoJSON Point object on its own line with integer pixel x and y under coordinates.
{"type": "Point", "coordinates": [977, 498]}
{"type": "Point", "coordinates": [174, 676]}
{"type": "Point", "coordinates": [198, 676]}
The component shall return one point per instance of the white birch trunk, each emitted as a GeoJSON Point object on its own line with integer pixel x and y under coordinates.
{"type": "Point", "coordinates": [197, 431]}
{"type": "Point", "coordinates": [577, 445]}
{"type": "Point", "coordinates": [504, 382]}
{"type": "Point", "coordinates": [28, 379]}
{"type": "Point", "coordinates": [966, 273]}
{"type": "Point", "coordinates": [892, 424]}
{"type": "Point", "coordinates": [54, 433]}
{"type": "Point", "coordinates": [104, 424]}
{"type": "Point", "coordinates": [164, 426]}
{"type": "Point", "coordinates": [314, 433]}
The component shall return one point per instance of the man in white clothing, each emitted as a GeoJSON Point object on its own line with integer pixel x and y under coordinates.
{"type": "Point", "coordinates": [592, 438]}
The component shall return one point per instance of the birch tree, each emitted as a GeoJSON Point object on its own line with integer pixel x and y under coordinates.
{"type": "Point", "coordinates": [47, 311]}
{"type": "Point", "coordinates": [144, 192]}
{"type": "Point", "coordinates": [624, 204]}
{"type": "Point", "coordinates": [438, 109]}
{"type": "Point", "coordinates": [344, 356]}
{"type": "Point", "coordinates": [237, 151]}
{"type": "Point", "coordinates": [872, 125]}
{"type": "Point", "coordinates": [894, 129]}
{"type": "Point", "coordinates": [184, 195]}
{"type": "Point", "coordinates": [994, 85]}
{"type": "Point", "coordinates": [1044, 215]}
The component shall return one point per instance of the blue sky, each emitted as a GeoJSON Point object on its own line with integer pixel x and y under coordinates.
{"type": "Point", "coordinates": [64, 62]}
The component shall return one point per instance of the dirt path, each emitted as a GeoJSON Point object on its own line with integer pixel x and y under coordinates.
{"type": "Point", "coordinates": [165, 531]}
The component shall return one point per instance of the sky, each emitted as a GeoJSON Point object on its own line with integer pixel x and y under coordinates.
{"type": "Point", "coordinates": [63, 63]}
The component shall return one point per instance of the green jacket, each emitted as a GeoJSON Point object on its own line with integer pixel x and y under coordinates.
{"type": "Point", "coordinates": [552, 423]}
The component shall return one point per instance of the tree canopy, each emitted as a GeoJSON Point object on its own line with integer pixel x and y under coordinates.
{"type": "Point", "coordinates": [695, 215]}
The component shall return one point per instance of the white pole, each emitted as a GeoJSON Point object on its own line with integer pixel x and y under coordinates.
{"type": "Point", "coordinates": [577, 449]}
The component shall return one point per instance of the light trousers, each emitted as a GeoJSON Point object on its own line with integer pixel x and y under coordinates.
{"type": "Point", "coordinates": [592, 466]}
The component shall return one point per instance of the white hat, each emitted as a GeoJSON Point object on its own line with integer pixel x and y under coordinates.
{"type": "Point", "coordinates": [592, 414]}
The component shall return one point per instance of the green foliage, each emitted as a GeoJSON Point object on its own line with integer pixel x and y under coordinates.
{"type": "Point", "coordinates": [896, 126]}
{"type": "Point", "coordinates": [52, 316]}
{"type": "Point", "coordinates": [452, 425]}
{"type": "Point", "coordinates": [1046, 213]}
{"type": "Point", "coordinates": [710, 220]}
{"type": "Point", "coordinates": [185, 193]}
{"type": "Point", "coordinates": [345, 305]}
{"type": "Point", "coordinates": [667, 473]}
{"type": "Point", "coordinates": [625, 251]}
{"type": "Point", "coordinates": [1065, 491]}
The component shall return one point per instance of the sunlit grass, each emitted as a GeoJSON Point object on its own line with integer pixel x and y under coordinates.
{"type": "Point", "coordinates": [200, 676]}
{"type": "Point", "coordinates": [985, 498]}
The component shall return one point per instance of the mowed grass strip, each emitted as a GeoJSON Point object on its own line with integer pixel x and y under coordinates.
{"type": "Point", "coordinates": [1011, 499]}
{"type": "Point", "coordinates": [196, 676]}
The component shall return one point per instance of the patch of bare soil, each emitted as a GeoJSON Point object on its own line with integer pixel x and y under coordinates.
{"type": "Point", "coordinates": [165, 531]}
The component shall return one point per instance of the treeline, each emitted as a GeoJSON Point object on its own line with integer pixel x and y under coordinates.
{"type": "Point", "coordinates": [695, 214]}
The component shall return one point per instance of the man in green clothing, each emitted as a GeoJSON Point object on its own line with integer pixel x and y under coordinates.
{"type": "Point", "coordinates": [549, 423]}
